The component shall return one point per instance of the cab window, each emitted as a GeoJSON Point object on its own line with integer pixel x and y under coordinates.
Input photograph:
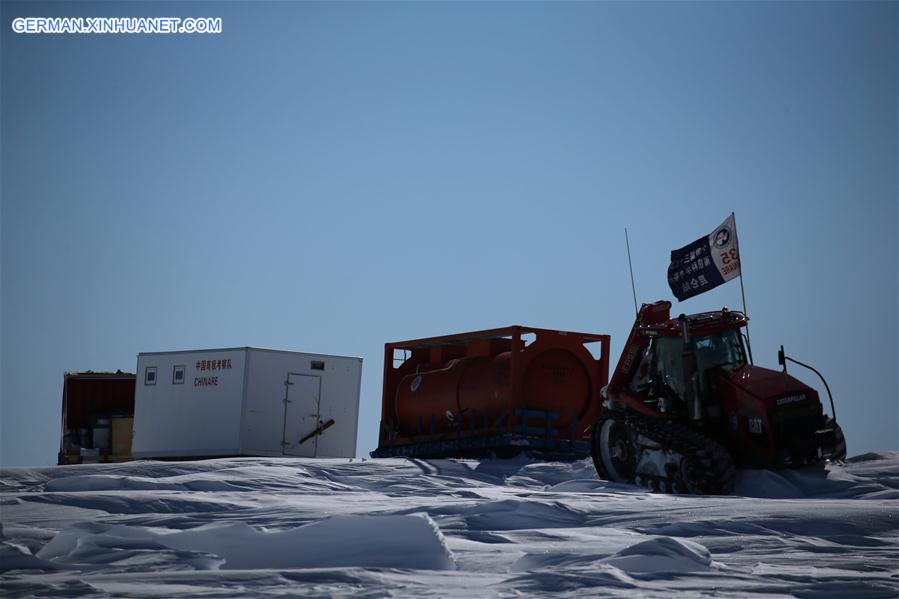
{"type": "Point", "coordinates": [669, 367]}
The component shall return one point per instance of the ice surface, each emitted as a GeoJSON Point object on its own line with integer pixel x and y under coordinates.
{"type": "Point", "coordinates": [443, 528]}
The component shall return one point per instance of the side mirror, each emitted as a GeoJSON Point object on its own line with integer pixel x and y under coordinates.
{"type": "Point", "coordinates": [781, 358]}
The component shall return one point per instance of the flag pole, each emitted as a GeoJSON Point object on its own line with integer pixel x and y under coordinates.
{"type": "Point", "coordinates": [742, 288]}
{"type": "Point", "coordinates": [631, 266]}
{"type": "Point", "coordinates": [743, 293]}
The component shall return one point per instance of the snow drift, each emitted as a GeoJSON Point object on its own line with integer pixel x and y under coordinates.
{"type": "Point", "coordinates": [444, 528]}
{"type": "Point", "coordinates": [363, 541]}
{"type": "Point", "coordinates": [662, 555]}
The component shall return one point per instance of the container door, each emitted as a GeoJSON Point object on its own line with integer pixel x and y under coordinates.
{"type": "Point", "coordinates": [122, 433]}
{"type": "Point", "coordinates": [301, 415]}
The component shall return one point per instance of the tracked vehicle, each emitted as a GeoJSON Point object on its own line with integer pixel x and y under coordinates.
{"type": "Point", "coordinates": [685, 406]}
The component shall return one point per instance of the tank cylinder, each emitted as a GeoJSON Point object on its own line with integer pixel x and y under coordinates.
{"type": "Point", "coordinates": [479, 390]}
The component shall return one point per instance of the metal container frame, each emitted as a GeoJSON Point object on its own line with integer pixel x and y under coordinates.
{"type": "Point", "coordinates": [518, 427]}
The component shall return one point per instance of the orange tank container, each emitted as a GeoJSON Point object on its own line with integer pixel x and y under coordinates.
{"type": "Point", "coordinates": [516, 381]}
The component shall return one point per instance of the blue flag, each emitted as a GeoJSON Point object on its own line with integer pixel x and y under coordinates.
{"type": "Point", "coordinates": [705, 263]}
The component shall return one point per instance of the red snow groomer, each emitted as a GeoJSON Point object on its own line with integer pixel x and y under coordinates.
{"type": "Point", "coordinates": [685, 406]}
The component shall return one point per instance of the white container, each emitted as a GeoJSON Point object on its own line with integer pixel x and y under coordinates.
{"type": "Point", "coordinates": [245, 401]}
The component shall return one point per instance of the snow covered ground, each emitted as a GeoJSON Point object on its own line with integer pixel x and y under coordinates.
{"type": "Point", "coordinates": [442, 528]}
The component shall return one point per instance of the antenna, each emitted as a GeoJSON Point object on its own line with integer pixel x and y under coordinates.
{"type": "Point", "coordinates": [631, 266]}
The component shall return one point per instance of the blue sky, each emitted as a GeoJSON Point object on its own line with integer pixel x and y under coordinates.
{"type": "Point", "coordinates": [330, 177]}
